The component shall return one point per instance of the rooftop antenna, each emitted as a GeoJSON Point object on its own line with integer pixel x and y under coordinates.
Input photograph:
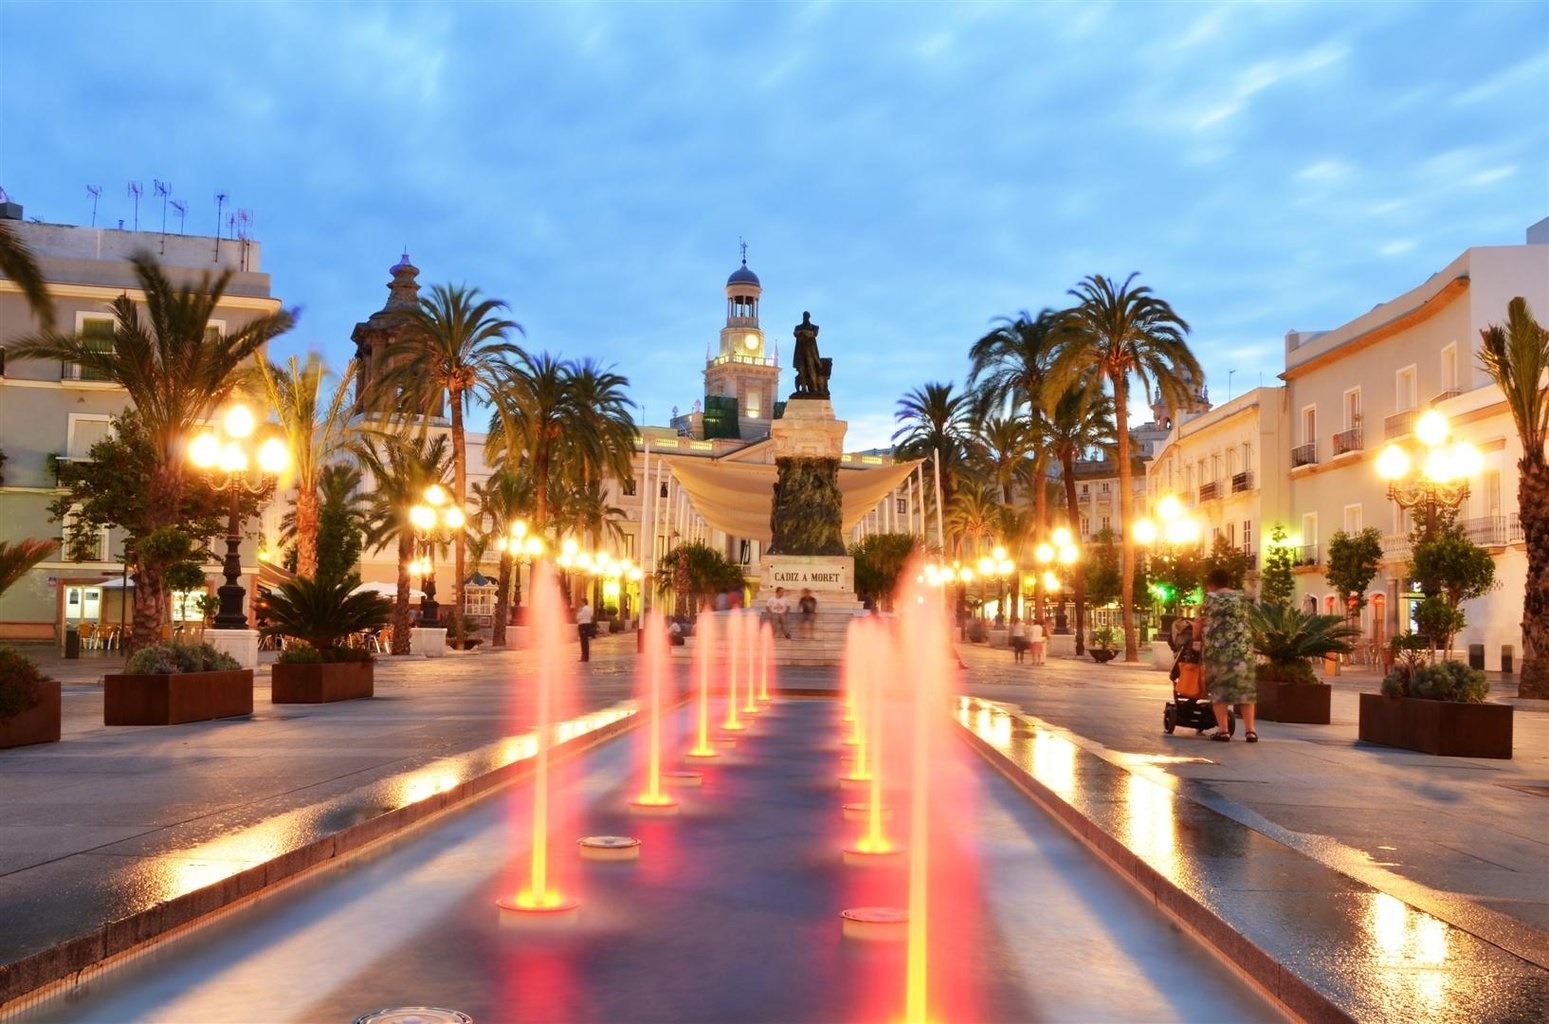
{"type": "Point", "coordinates": [135, 189]}
{"type": "Point", "coordinates": [96, 193]}
{"type": "Point", "coordinates": [181, 209]}
{"type": "Point", "coordinates": [244, 231]}
{"type": "Point", "coordinates": [220, 202]}
{"type": "Point", "coordinates": [164, 190]}
{"type": "Point", "coordinates": [1229, 374]}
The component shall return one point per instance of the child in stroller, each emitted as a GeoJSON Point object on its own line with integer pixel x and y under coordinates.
{"type": "Point", "coordinates": [1190, 706]}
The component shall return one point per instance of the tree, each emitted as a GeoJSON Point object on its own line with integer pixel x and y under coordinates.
{"type": "Point", "coordinates": [1229, 558]}
{"type": "Point", "coordinates": [18, 558]}
{"type": "Point", "coordinates": [880, 559]}
{"type": "Point", "coordinates": [1449, 569]}
{"type": "Point", "coordinates": [341, 522]}
{"type": "Point", "coordinates": [18, 262]}
{"type": "Point", "coordinates": [1516, 357]}
{"type": "Point", "coordinates": [1009, 368]}
{"type": "Point", "coordinates": [176, 371]}
{"type": "Point", "coordinates": [1120, 333]}
{"type": "Point", "coordinates": [460, 352]}
{"type": "Point", "coordinates": [1080, 420]}
{"type": "Point", "coordinates": [1352, 564]}
{"type": "Point", "coordinates": [314, 425]}
{"type": "Point", "coordinates": [709, 572]}
{"type": "Point", "coordinates": [401, 467]}
{"type": "Point", "coordinates": [498, 503]}
{"type": "Point", "coordinates": [1277, 583]}
{"type": "Point", "coordinates": [1289, 639]}
{"type": "Point", "coordinates": [930, 426]}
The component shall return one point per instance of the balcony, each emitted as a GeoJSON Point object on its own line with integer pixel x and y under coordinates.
{"type": "Point", "coordinates": [76, 372]}
{"type": "Point", "coordinates": [1307, 554]}
{"type": "Point", "coordinates": [1304, 455]}
{"type": "Point", "coordinates": [1210, 491]}
{"type": "Point", "coordinates": [1399, 424]}
{"type": "Point", "coordinates": [83, 548]}
{"type": "Point", "coordinates": [1493, 531]}
{"type": "Point", "coordinates": [1449, 393]}
{"type": "Point", "coordinates": [1242, 482]}
{"type": "Point", "coordinates": [1396, 545]}
{"type": "Point", "coordinates": [1348, 441]}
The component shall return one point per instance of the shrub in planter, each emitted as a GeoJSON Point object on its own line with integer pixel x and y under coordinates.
{"type": "Point", "coordinates": [303, 653]}
{"type": "Point", "coordinates": [171, 683]}
{"type": "Point", "coordinates": [178, 656]}
{"type": "Point", "coordinates": [319, 614]}
{"type": "Point", "coordinates": [20, 682]}
{"type": "Point", "coordinates": [29, 702]}
{"type": "Point", "coordinates": [1443, 680]}
{"type": "Point", "coordinates": [1289, 640]}
{"type": "Point", "coordinates": [1436, 708]}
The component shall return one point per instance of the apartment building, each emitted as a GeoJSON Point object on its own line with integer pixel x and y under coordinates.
{"type": "Point", "coordinates": [52, 413]}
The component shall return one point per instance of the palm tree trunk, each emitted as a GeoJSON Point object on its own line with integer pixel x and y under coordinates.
{"type": "Point", "coordinates": [306, 531]}
{"type": "Point", "coordinates": [401, 604]}
{"type": "Point", "coordinates": [1040, 526]}
{"type": "Point", "coordinates": [164, 495]}
{"type": "Point", "coordinates": [460, 483]}
{"type": "Point", "coordinates": [1127, 562]}
{"type": "Point", "coordinates": [1533, 508]}
{"type": "Point", "coordinates": [497, 632]}
{"type": "Point", "coordinates": [1073, 510]}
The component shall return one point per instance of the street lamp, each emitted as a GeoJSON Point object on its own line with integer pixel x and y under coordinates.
{"type": "Point", "coordinates": [434, 520]}
{"type": "Point", "coordinates": [1060, 549]}
{"type": "Point", "coordinates": [227, 455]}
{"type": "Point", "coordinates": [524, 548]}
{"type": "Point", "coordinates": [1436, 477]}
{"type": "Point", "coordinates": [1177, 530]}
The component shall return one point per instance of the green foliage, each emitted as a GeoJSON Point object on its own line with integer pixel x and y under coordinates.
{"type": "Point", "coordinates": [879, 561]}
{"type": "Point", "coordinates": [185, 576]}
{"type": "Point", "coordinates": [323, 612]}
{"type": "Point", "coordinates": [1449, 566]}
{"type": "Point", "coordinates": [808, 510]}
{"type": "Point", "coordinates": [1296, 672]}
{"type": "Point", "coordinates": [1108, 638]}
{"type": "Point", "coordinates": [1442, 680]}
{"type": "Point", "coordinates": [339, 522]}
{"type": "Point", "coordinates": [1277, 584]}
{"type": "Point", "coordinates": [19, 681]}
{"type": "Point", "coordinates": [178, 656]}
{"type": "Point", "coordinates": [1176, 574]}
{"type": "Point", "coordinates": [18, 558]}
{"type": "Point", "coordinates": [1437, 621]}
{"type": "Point", "coordinates": [1352, 563]}
{"type": "Point", "coordinates": [705, 573]}
{"type": "Point", "coordinates": [1289, 638]}
{"type": "Point", "coordinates": [1229, 558]}
{"type": "Point", "coordinates": [302, 653]}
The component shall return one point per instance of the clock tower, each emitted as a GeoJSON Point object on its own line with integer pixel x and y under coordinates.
{"type": "Point", "coordinates": [741, 379]}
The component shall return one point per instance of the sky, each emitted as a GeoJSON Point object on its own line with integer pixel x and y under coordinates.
{"type": "Point", "coordinates": [909, 173]}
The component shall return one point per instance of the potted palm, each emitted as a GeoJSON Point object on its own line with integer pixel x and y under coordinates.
{"type": "Point", "coordinates": [318, 615]}
{"type": "Point", "coordinates": [1437, 707]}
{"type": "Point", "coordinates": [1289, 640]}
{"type": "Point", "coordinates": [176, 682]}
{"type": "Point", "coordinates": [1103, 647]}
{"type": "Point", "coordinates": [29, 700]}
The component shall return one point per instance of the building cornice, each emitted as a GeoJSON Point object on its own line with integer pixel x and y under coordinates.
{"type": "Point", "coordinates": [1419, 314]}
{"type": "Point", "coordinates": [107, 293]}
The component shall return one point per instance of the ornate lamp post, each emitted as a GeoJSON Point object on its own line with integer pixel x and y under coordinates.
{"type": "Point", "coordinates": [524, 549]}
{"type": "Point", "coordinates": [434, 521]}
{"type": "Point", "coordinates": [1176, 531]}
{"type": "Point", "coordinates": [1435, 477]}
{"type": "Point", "coordinates": [1060, 549]}
{"type": "Point", "coordinates": [228, 455]}
{"type": "Point", "coordinates": [998, 565]}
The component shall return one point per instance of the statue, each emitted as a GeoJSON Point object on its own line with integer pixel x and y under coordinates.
{"type": "Point", "coordinates": [811, 370]}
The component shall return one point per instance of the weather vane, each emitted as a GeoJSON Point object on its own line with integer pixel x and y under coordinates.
{"type": "Point", "coordinates": [744, 244]}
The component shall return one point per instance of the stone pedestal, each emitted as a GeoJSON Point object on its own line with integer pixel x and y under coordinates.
{"type": "Point", "coordinates": [241, 644]}
{"type": "Point", "coordinates": [1063, 645]}
{"type": "Point", "coordinates": [807, 514]}
{"type": "Point", "coordinates": [427, 643]}
{"type": "Point", "coordinates": [808, 430]}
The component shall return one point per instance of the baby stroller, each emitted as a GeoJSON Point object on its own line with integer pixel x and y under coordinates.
{"type": "Point", "coordinates": [1190, 706]}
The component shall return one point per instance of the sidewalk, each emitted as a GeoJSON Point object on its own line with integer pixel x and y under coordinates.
{"type": "Point", "coordinates": [112, 822]}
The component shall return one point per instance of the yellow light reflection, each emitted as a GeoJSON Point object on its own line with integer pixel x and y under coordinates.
{"type": "Point", "coordinates": [1054, 762]}
{"type": "Point", "coordinates": [1151, 832]}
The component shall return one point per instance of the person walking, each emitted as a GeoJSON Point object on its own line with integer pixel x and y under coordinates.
{"type": "Point", "coordinates": [1037, 641]}
{"type": "Point", "coordinates": [778, 608]}
{"type": "Point", "coordinates": [1018, 640]}
{"type": "Point", "coordinates": [583, 625]}
{"type": "Point", "coordinates": [809, 614]}
{"type": "Point", "coordinates": [1227, 655]}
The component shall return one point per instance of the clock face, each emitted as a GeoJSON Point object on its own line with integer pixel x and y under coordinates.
{"type": "Point", "coordinates": [751, 342]}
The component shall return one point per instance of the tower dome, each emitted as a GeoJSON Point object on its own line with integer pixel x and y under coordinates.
{"type": "Point", "coordinates": [742, 275]}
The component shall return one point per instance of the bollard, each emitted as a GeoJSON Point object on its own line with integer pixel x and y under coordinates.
{"type": "Point", "coordinates": [72, 642]}
{"type": "Point", "coordinates": [1507, 652]}
{"type": "Point", "coordinates": [1476, 656]}
{"type": "Point", "coordinates": [1331, 665]}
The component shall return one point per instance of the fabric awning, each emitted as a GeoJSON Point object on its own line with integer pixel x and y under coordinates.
{"type": "Point", "coordinates": [735, 497]}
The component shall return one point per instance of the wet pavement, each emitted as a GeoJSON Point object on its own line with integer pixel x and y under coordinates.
{"type": "Point", "coordinates": [1402, 881]}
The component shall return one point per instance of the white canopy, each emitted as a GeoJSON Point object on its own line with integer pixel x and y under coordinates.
{"type": "Point", "coordinates": [736, 497]}
{"type": "Point", "coordinates": [385, 590]}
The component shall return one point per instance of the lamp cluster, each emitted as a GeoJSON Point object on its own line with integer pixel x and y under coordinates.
{"type": "Point", "coordinates": [596, 563]}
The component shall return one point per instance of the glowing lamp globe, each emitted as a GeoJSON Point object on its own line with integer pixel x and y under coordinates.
{"type": "Point", "coordinates": [1169, 507]}
{"type": "Point", "coordinates": [1466, 459]}
{"type": "Point", "coordinates": [1393, 463]}
{"type": "Point", "coordinates": [273, 456]}
{"type": "Point", "coordinates": [986, 566]}
{"type": "Point", "coordinates": [1051, 581]}
{"type": "Point", "coordinates": [233, 459]}
{"type": "Point", "coordinates": [1439, 467]}
{"type": "Point", "coordinates": [239, 421]}
{"type": "Point", "coordinates": [1062, 537]}
{"type": "Point", "coordinates": [1432, 428]}
{"type": "Point", "coordinates": [205, 451]}
{"type": "Point", "coordinates": [1044, 553]}
{"type": "Point", "coordinates": [422, 517]}
{"type": "Point", "coordinates": [454, 518]}
{"type": "Point", "coordinates": [1145, 532]}
{"type": "Point", "coordinates": [435, 494]}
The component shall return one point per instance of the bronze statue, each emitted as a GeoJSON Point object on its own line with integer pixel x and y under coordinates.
{"type": "Point", "coordinates": [811, 371]}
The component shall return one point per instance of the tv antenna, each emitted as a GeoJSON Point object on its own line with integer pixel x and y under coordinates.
{"type": "Point", "coordinates": [96, 193]}
{"type": "Point", "coordinates": [181, 209]}
{"type": "Point", "coordinates": [1229, 375]}
{"type": "Point", "coordinates": [164, 190]}
{"type": "Point", "coordinates": [135, 190]}
{"type": "Point", "coordinates": [220, 202]}
{"type": "Point", "coordinates": [243, 229]}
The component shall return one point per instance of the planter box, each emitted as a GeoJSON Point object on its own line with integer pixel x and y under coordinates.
{"type": "Point", "coordinates": [1441, 727]}
{"type": "Point", "coordinates": [38, 724]}
{"type": "Point", "coordinates": [1102, 655]}
{"type": "Point", "coordinates": [1306, 703]}
{"type": "Point", "coordinates": [322, 683]}
{"type": "Point", "coordinates": [175, 698]}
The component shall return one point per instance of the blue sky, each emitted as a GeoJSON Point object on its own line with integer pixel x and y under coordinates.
{"type": "Point", "coordinates": [908, 173]}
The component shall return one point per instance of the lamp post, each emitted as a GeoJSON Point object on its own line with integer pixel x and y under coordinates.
{"type": "Point", "coordinates": [524, 548]}
{"type": "Point", "coordinates": [1175, 531]}
{"type": "Point", "coordinates": [1059, 549]}
{"type": "Point", "coordinates": [1435, 477]}
{"type": "Point", "coordinates": [228, 456]}
{"type": "Point", "coordinates": [434, 520]}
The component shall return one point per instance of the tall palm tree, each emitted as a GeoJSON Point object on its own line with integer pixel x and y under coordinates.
{"type": "Point", "coordinates": [1122, 332]}
{"type": "Point", "coordinates": [401, 468]}
{"type": "Point", "coordinates": [1516, 357]}
{"type": "Point", "coordinates": [314, 424]}
{"type": "Point", "coordinates": [601, 391]}
{"type": "Point", "coordinates": [18, 262]}
{"type": "Point", "coordinates": [1080, 420]}
{"type": "Point", "coordinates": [1000, 447]}
{"type": "Point", "coordinates": [18, 558]}
{"type": "Point", "coordinates": [1009, 368]}
{"type": "Point", "coordinates": [498, 503]}
{"type": "Point", "coordinates": [177, 372]}
{"type": "Point", "coordinates": [931, 423]}
{"type": "Point", "coordinates": [460, 353]}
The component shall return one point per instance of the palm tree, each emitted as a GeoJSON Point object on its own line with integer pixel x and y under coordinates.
{"type": "Point", "coordinates": [1516, 357]}
{"type": "Point", "coordinates": [314, 426]}
{"type": "Point", "coordinates": [461, 353]}
{"type": "Point", "coordinates": [1080, 420]}
{"type": "Point", "coordinates": [931, 425]}
{"type": "Point", "coordinates": [401, 468]}
{"type": "Point", "coordinates": [177, 371]}
{"type": "Point", "coordinates": [600, 391]}
{"type": "Point", "coordinates": [1120, 332]}
{"type": "Point", "coordinates": [1009, 368]}
{"type": "Point", "coordinates": [17, 559]}
{"type": "Point", "coordinates": [1289, 639]}
{"type": "Point", "coordinates": [18, 262]}
{"type": "Point", "coordinates": [498, 503]}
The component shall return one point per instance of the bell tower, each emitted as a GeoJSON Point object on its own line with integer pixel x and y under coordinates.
{"type": "Point", "coordinates": [741, 378]}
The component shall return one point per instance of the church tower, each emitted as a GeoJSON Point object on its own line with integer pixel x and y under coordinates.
{"type": "Point", "coordinates": [373, 338]}
{"type": "Point", "coordinates": [741, 379]}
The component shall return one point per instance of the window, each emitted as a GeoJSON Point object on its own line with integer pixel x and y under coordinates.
{"type": "Point", "coordinates": [753, 403]}
{"type": "Point", "coordinates": [97, 332]}
{"type": "Point", "coordinates": [81, 547]}
{"type": "Point", "coordinates": [1231, 534]}
{"type": "Point", "coordinates": [1106, 524]}
{"type": "Point", "coordinates": [1086, 526]}
{"type": "Point", "coordinates": [185, 606]}
{"type": "Point", "coordinates": [1406, 390]}
{"type": "Point", "coordinates": [1491, 492]}
{"type": "Point", "coordinates": [1247, 535]}
{"type": "Point", "coordinates": [1352, 519]}
{"type": "Point", "coordinates": [1352, 408]}
{"type": "Point", "coordinates": [1310, 424]}
{"type": "Point", "coordinates": [1104, 487]}
{"type": "Point", "coordinates": [479, 601]}
{"type": "Point", "coordinates": [85, 430]}
{"type": "Point", "coordinates": [901, 506]}
{"type": "Point", "coordinates": [629, 487]}
{"type": "Point", "coordinates": [1310, 529]}
{"type": "Point", "coordinates": [1449, 368]}
{"type": "Point", "coordinates": [1085, 487]}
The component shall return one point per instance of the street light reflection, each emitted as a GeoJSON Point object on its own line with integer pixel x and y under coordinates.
{"type": "Point", "coordinates": [1152, 835]}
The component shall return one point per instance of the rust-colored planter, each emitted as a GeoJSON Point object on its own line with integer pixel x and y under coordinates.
{"type": "Point", "coordinates": [174, 698]}
{"type": "Point", "coordinates": [1303, 703]}
{"type": "Point", "coordinates": [38, 724]}
{"type": "Point", "coordinates": [322, 683]}
{"type": "Point", "coordinates": [1442, 727]}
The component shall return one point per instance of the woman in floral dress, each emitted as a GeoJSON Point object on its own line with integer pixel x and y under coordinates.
{"type": "Point", "coordinates": [1228, 655]}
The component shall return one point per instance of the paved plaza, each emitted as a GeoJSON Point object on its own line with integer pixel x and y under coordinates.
{"type": "Point", "coordinates": [112, 822]}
